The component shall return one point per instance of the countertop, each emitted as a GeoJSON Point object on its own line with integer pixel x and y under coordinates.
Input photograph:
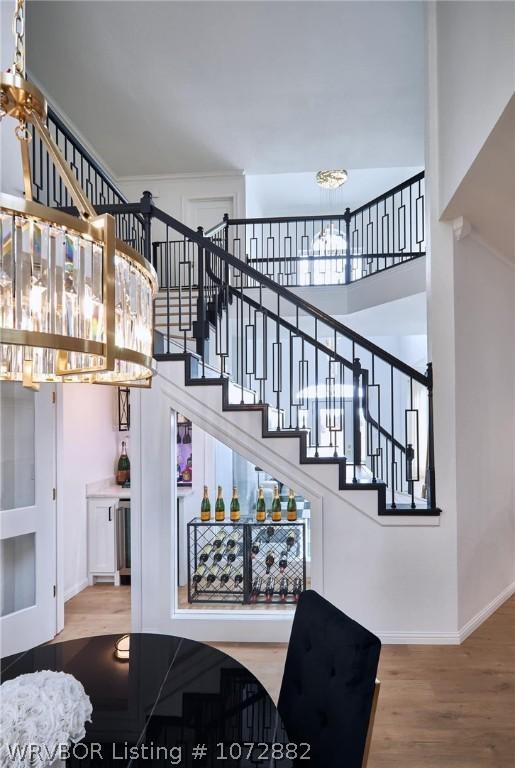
{"type": "Point", "coordinates": [107, 489]}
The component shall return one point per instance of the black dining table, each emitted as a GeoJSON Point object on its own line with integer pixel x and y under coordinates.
{"type": "Point", "coordinates": [172, 702]}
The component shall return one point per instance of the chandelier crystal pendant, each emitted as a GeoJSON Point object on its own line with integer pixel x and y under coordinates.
{"type": "Point", "coordinates": [331, 179]}
{"type": "Point", "coordinates": [76, 304]}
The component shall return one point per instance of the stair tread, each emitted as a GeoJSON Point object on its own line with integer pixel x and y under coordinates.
{"type": "Point", "coordinates": [347, 472]}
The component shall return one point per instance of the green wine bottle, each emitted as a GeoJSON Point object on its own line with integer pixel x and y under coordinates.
{"type": "Point", "coordinates": [291, 509]}
{"type": "Point", "coordinates": [205, 507]}
{"type": "Point", "coordinates": [260, 507]}
{"type": "Point", "coordinates": [220, 506]}
{"type": "Point", "coordinates": [123, 473]}
{"type": "Point", "coordinates": [276, 506]}
{"type": "Point", "coordinates": [235, 506]}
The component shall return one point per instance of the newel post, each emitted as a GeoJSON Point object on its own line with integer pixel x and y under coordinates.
{"type": "Point", "coordinates": [146, 211]}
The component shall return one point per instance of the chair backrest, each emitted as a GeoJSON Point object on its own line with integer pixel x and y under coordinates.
{"type": "Point", "coordinates": [328, 685]}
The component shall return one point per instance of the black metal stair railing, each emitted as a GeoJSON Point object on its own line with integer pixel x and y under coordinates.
{"type": "Point", "coordinates": [300, 251]}
{"type": "Point", "coordinates": [351, 401]}
{"type": "Point", "coordinates": [347, 400]}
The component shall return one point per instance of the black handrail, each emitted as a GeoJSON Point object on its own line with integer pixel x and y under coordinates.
{"type": "Point", "coordinates": [333, 354]}
{"type": "Point", "coordinates": [53, 117]}
{"type": "Point", "coordinates": [390, 192]}
{"type": "Point", "coordinates": [289, 296]}
{"type": "Point", "coordinates": [322, 217]}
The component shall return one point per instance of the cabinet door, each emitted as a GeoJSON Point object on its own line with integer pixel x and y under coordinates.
{"type": "Point", "coordinates": [101, 535]}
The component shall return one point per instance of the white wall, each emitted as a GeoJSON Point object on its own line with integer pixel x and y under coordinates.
{"type": "Point", "coordinates": [475, 70]}
{"type": "Point", "coordinates": [88, 448]}
{"type": "Point", "coordinates": [177, 195]}
{"type": "Point", "coordinates": [297, 194]}
{"type": "Point", "coordinates": [471, 316]}
{"type": "Point", "coordinates": [381, 571]}
{"type": "Point", "coordinates": [485, 424]}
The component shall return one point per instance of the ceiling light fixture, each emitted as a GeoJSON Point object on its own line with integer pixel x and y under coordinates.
{"type": "Point", "coordinates": [75, 302]}
{"type": "Point", "coordinates": [331, 179]}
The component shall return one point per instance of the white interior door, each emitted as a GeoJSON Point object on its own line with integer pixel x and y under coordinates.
{"type": "Point", "coordinates": [207, 211]}
{"type": "Point", "coordinates": [27, 517]}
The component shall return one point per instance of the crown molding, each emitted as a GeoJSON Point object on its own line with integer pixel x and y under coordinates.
{"type": "Point", "coordinates": [181, 176]}
{"type": "Point", "coordinates": [461, 227]}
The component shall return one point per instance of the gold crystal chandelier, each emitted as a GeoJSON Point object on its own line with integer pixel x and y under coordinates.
{"type": "Point", "coordinates": [76, 304]}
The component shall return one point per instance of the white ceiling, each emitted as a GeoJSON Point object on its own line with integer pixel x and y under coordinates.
{"type": "Point", "coordinates": [265, 87]}
{"type": "Point", "coordinates": [297, 194]}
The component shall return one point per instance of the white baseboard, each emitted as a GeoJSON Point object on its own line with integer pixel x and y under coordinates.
{"type": "Point", "coordinates": [418, 638]}
{"type": "Point", "coordinates": [485, 612]}
{"type": "Point", "coordinates": [447, 638]}
{"type": "Point", "coordinates": [72, 591]}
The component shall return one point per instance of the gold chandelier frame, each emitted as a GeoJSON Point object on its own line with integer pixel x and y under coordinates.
{"type": "Point", "coordinates": [106, 362]}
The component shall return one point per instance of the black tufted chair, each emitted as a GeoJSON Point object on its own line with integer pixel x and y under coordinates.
{"type": "Point", "coordinates": [329, 691]}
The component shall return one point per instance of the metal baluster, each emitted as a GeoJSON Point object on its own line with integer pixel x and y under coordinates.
{"type": "Point", "coordinates": [348, 265]}
{"type": "Point", "coordinates": [356, 375]}
{"type": "Point", "coordinates": [430, 482]}
{"type": "Point", "coordinates": [317, 435]}
{"type": "Point", "coordinates": [393, 473]}
{"type": "Point", "coordinates": [200, 328]}
{"type": "Point", "coordinates": [243, 340]}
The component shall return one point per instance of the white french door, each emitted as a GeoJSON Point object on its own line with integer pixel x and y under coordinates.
{"type": "Point", "coordinates": [27, 517]}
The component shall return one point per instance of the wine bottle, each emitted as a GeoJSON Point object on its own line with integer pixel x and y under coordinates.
{"type": "Point", "coordinates": [270, 532]}
{"type": "Point", "coordinates": [226, 574]}
{"type": "Point", "coordinates": [219, 539]}
{"type": "Point", "coordinates": [205, 507]}
{"type": "Point", "coordinates": [270, 588]}
{"type": "Point", "coordinates": [219, 506]}
{"type": "Point", "coordinates": [283, 589]}
{"type": "Point", "coordinates": [291, 510]}
{"type": "Point", "coordinates": [269, 560]}
{"type": "Point", "coordinates": [254, 549]}
{"type": "Point", "coordinates": [290, 539]}
{"type": "Point", "coordinates": [199, 574]}
{"type": "Point", "coordinates": [235, 506]}
{"type": "Point", "coordinates": [283, 562]}
{"type": "Point", "coordinates": [205, 552]}
{"type": "Point", "coordinates": [211, 575]}
{"type": "Point", "coordinates": [260, 507]}
{"type": "Point", "coordinates": [256, 589]}
{"type": "Point", "coordinates": [297, 588]}
{"type": "Point", "coordinates": [233, 538]}
{"type": "Point", "coordinates": [218, 555]}
{"type": "Point", "coordinates": [123, 474]}
{"type": "Point", "coordinates": [276, 506]}
{"type": "Point", "coordinates": [238, 577]}
{"type": "Point", "coordinates": [230, 554]}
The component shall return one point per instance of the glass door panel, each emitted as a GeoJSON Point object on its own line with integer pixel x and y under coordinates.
{"type": "Point", "coordinates": [27, 517]}
{"type": "Point", "coordinates": [17, 446]}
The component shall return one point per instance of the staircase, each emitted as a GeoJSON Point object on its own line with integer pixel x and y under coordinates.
{"type": "Point", "coordinates": [231, 323]}
{"type": "Point", "coordinates": [265, 357]}
{"type": "Point", "coordinates": [175, 312]}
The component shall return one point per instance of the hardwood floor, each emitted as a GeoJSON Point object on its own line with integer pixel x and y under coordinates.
{"type": "Point", "coordinates": [439, 706]}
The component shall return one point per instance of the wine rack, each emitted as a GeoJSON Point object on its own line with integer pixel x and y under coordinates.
{"type": "Point", "coordinates": [255, 551]}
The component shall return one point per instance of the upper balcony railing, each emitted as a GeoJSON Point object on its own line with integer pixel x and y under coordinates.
{"type": "Point", "coordinates": [297, 251]}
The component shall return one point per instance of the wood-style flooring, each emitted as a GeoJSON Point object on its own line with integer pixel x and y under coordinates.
{"type": "Point", "coordinates": [439, 706]}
